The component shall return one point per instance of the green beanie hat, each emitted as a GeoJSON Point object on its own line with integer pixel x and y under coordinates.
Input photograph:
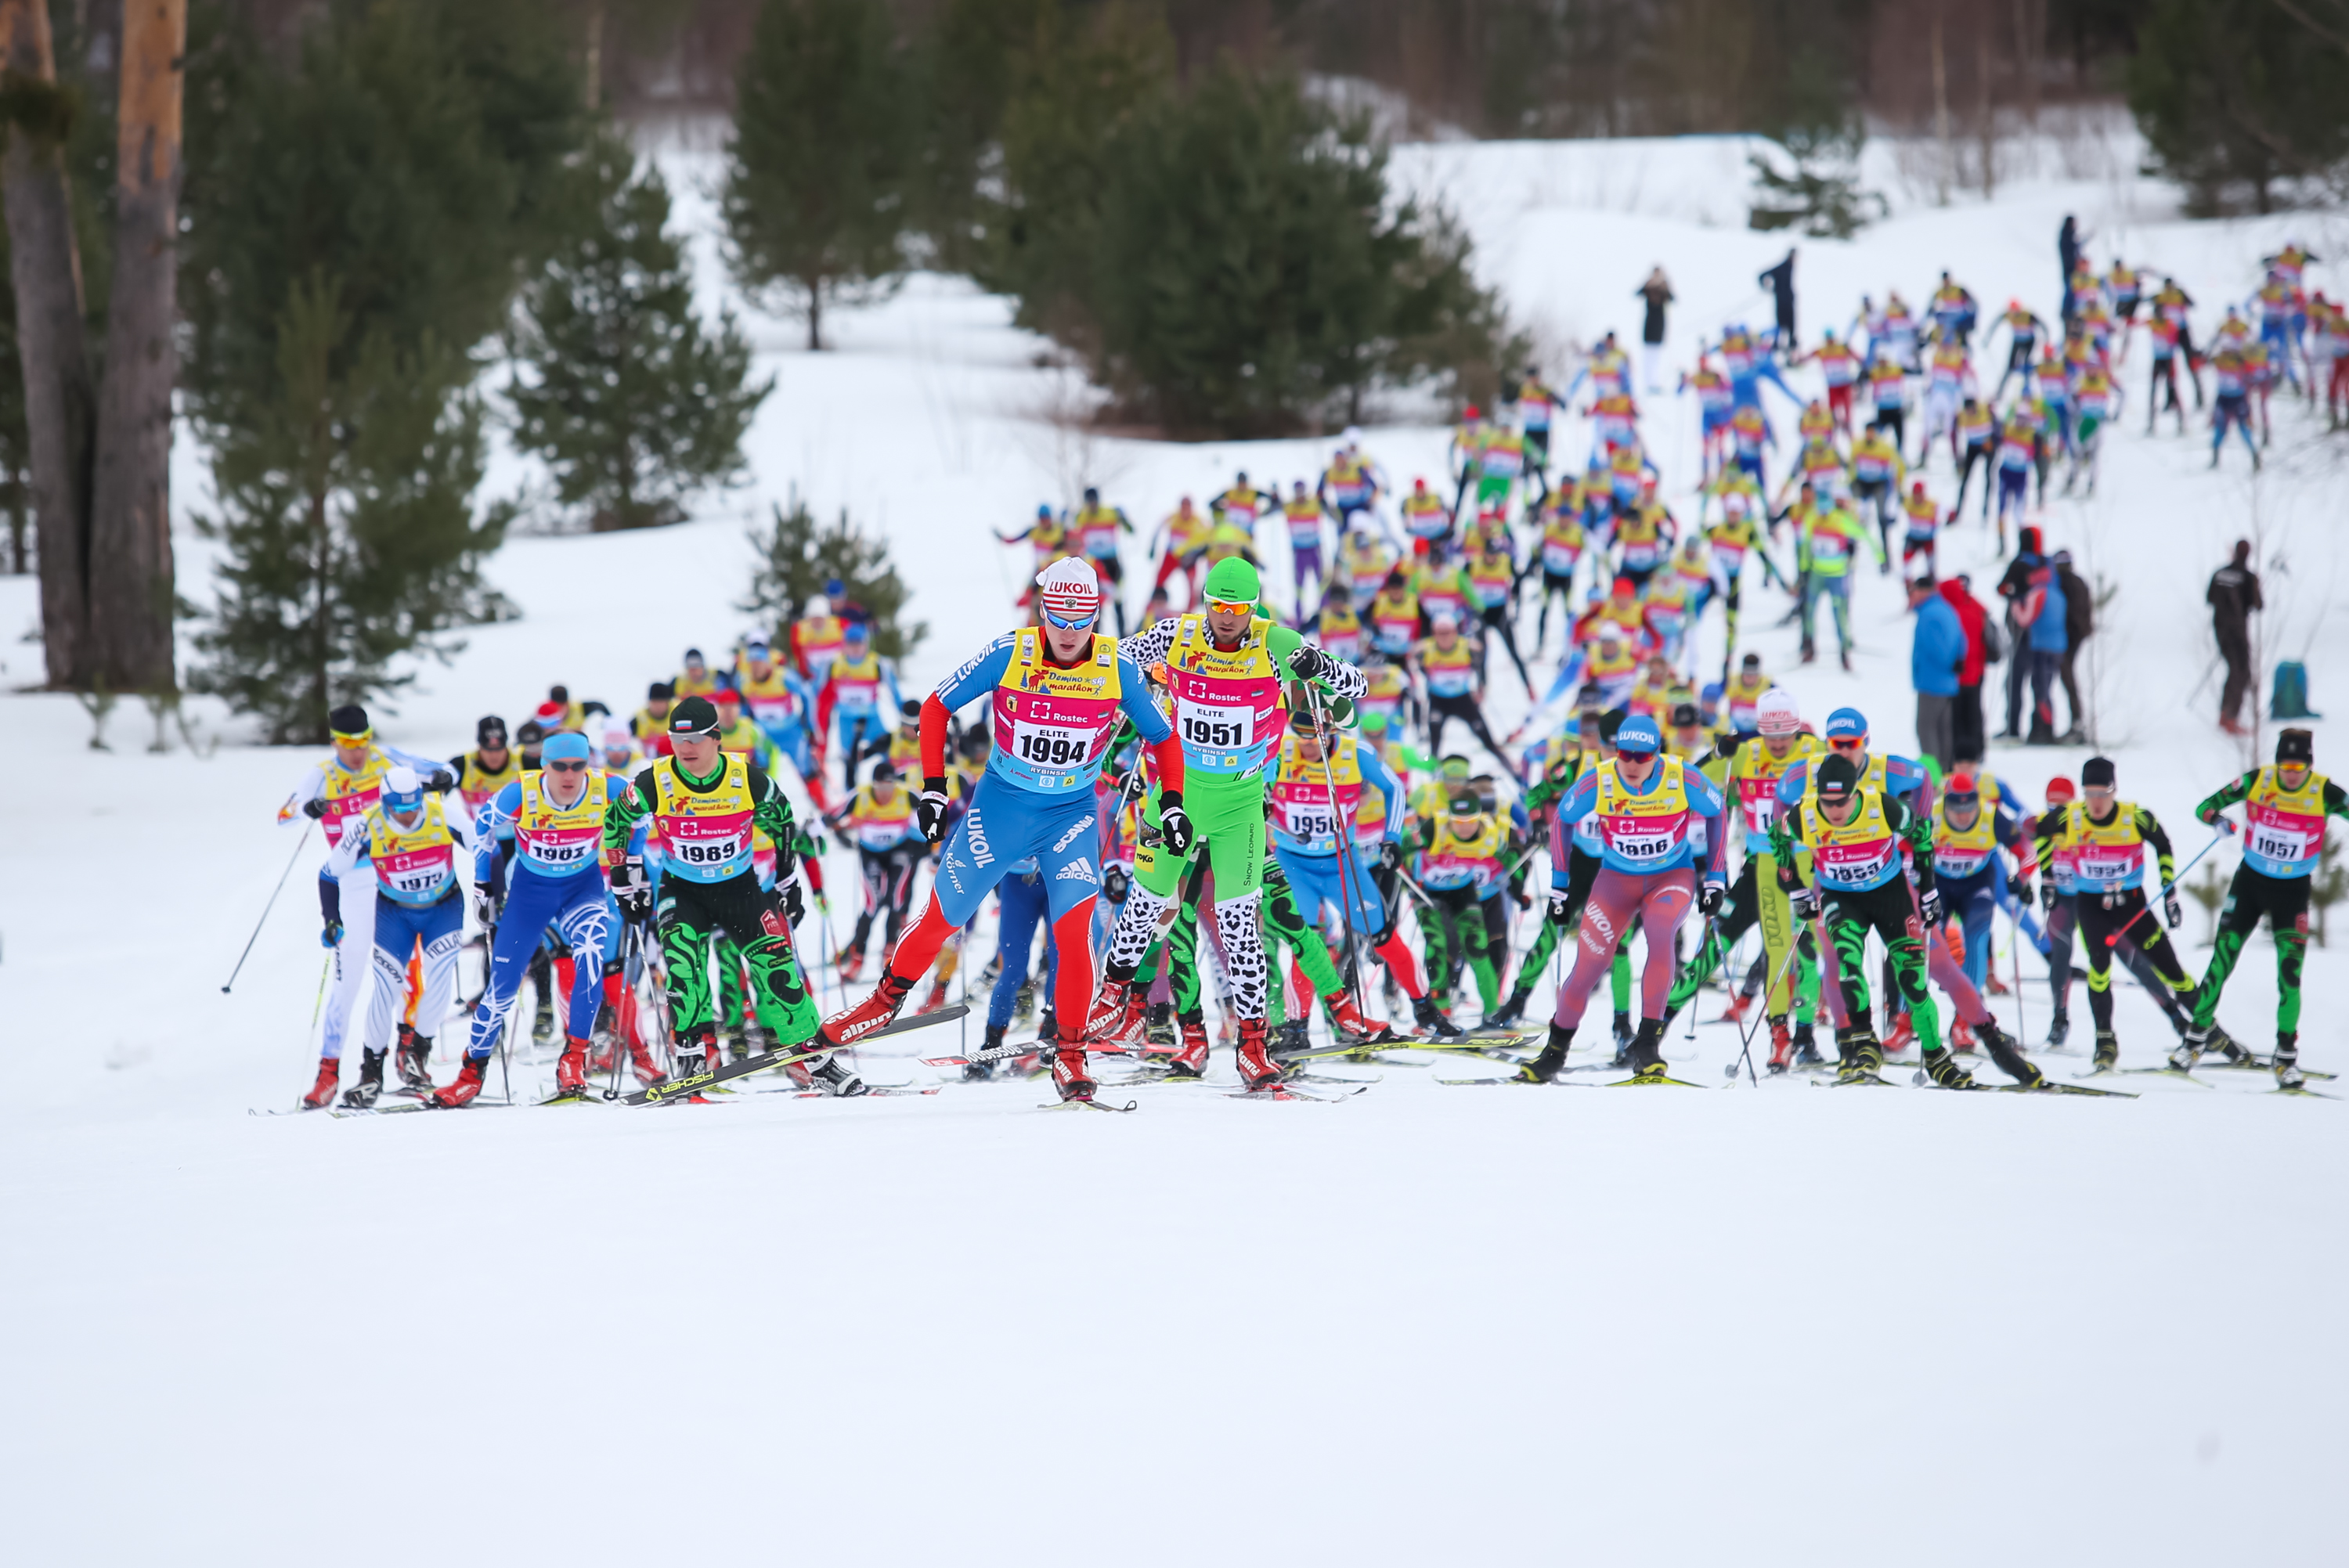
{"type": "Point", "coordinates": [1233, 581]}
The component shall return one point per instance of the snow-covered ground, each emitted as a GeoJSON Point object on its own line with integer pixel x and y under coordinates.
{"type": "Point", "coordinates": [1427, 1325]}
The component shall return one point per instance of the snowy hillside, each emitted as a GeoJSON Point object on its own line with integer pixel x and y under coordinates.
{"type": "Point", "coordinates": [1428, 1325]}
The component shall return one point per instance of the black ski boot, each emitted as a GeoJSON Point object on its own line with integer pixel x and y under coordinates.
{"type": "Point", "coordinates": [837, 1078]}
{"type": "Point", "coordinates": [1647, 1061]}
{"type": "Point", "coordinates": [2007, 1056]}
{"type": "Point", "coordinates": [2237, 1054]}
{"type": "Point", "coordinates": [2109, 1052]}
{"type": "Point", "coordinates": [1806, 1048]}
{"type": "Point", "coordinates": [1941, 1065]}
{"type": "Point", "coordinates": [363, 1093]}
{"type": "Point", "coordinates": [1158, 1025]}
{"type": "Point", "coordinates": [414, 1060]}
{"type": "Point", "coordinates": [1510, 1011]}
{"type": "Point", "coordinates": [1544, 1068]}
{"type": "Point", "coordinates": [2287, 1061]}
{"type": "Point", "coordinates": [1622, 1041]}
{"type": "Point", "coordinates": [1862, 1056]}
{"type": "Point", "coordinates": [1293, 1038]}
{"type": "Point", "coordinates": [1430, 1017]}
{"type": "Point", "coordinates": [2059, 1029]}
{"type": "Point", "coordinates": [980, 1072]}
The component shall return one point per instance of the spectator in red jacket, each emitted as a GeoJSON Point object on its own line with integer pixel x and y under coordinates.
{"type": "Point", "coordinates": [1967, 740]}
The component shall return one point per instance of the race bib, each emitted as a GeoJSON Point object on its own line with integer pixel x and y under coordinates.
{"type": "Point", "coordinates": [1214, 727]}
{"type": "Point", "coordinates": [714, 850]}
{"type": "Point", "coordinates": [1560, 558]}
{"type": "Point", "coordinates": [1054, 745]}
{"type": "Point", "coordinates": [1312, 820]}
{"type": "Point", "coordinates": [2277, 843]}
{"type": "Point", "coordinates": [571, 850]}
{"type": "Point", "coordinates": [1852, 864]}
{"type": "Point", "coordinates": [417, 872]}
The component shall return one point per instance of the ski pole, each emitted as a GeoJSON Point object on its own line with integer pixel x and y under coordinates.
{"type": "Point", "coordinates": [265, 908]}
{"type": "Point", "coordinates": [1701, 948]}
{"type": "Point", "coordinates": [1745, 1038]}
{"type": "Point", "coordinates": [2112, 939]}
{"type": "Point", "coordinates": [1346, 865]}
{"type": "Point", "coordinates": [317, 1007]}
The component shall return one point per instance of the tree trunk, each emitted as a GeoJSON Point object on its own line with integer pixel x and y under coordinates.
{"type": "Point", "coordinates": [815, 315]}
{"type": "Point", "coordinates": [131, 512]}
{"type": "Point", "coordinates": [1987, 125]}
{"type": "Point", "coordinates": [1941, 112]}
{"type": "Point", "coordinates": [46, 271]}
{"type": "Point", "coordinates": [2030, 41]}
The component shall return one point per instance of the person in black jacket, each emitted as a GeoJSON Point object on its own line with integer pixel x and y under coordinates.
{"type": "Point", "coordinates": [1780, 281]}
{"type": "Point", "coordinates": [2079, 623]}
{"type": "Point", "coordinates": [2233, 595]}
{"type": "Point", "coordinates": [1658, 292]}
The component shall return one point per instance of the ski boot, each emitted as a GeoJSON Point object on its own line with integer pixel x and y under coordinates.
{"type": "Point", "coordinates": [1345, 1019]}
{"type": "Point", "coordinates": [2188, 1051]}
{"type": "Point", "coordinates": [934, 1000]}
{"type": "Point", "coordinates": [604, 1050]}
{"type": "Point", "coordinates": [414, 1060]}
{"type": "Point", "coordinates": [1781, 1046]}
{"type": "Point", "coordinates": [322, 1093]}
{"type": "Point", "coordinates": [1845, 655]}
{"type": "Point", "coordinates": [1647, 1052]}
{"type": "Point", "coordinates": [1512, 1010]}
{"type": "Point", "coordinates": [363, 1093]}
{"type": "Point", "coordinates": [1734, 1013]}
{"type": "Point", "coordinates": [1070, 1080]}
{"type": "Point", "coordinates": [2109, 1052]}
{"type": "Point", "coordinates": [571, 1070]}
{"type": "Point", "coordinates": [1994, 986]}
{"type": "Point", "coordinates": [876, 1012]}
{"type": "Point", "coordinates": [641, 1063]}
{"type": "Point", "coordinates": [982, 1072]}
{"type": "Point", "coordinates": [1962, 1037]}
{"type": "Point", "coordinates": [1941, 1065]}
{"type": "Point", "coordinates": [1190, 1059]}
{"type": "Point", "coordinates": [1119, 1008]}
{"type": "Point", "coordinates": [852, 965]}
{"type": "Point", "coordinates": [737, 1046]}
{"type": "Point", "coordinates": [1258, 1073]}
{"type": "Point", "coordinates": [2008, 1057]}
{"type": "Point", "coordinates": [697, 1053]}
{"type": "Point", "coordinates": [2226, 1044]}
{"type": "Point", "coordinates": [1544, 1068]}
{"type": "Point", "coordinates": [1862, 1056]}
{"type": "Point", "coordinates": [836, 1078]}
{"type": "Point", "coordinates": [542, 1020]}
{"type": "Point", "coordinates": [1901, 1036]}
{"type": "Point", "coordinates": [1158, 1025]}
{"type": "Point", "coordinates": [466, 1087]}
{"type": "Point", "coordinates": [1806, 1047]}
{"type": "Point", "coordinates": [2287, 1061]}
{"type": "Point", "coordinates": [1023, 1005]}
{"type": "Point", "coordinates": [2059, 1029]}
{"type": "Point", "coordinates": [1293, 1038]}
{"type": "Point", "coordinates": [1622, 1040]}
{"type": "Point", "coordinates": [1431, 1020]}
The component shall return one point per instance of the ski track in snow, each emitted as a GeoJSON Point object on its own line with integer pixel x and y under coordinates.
{"type": "Point", "coordinates": [1423, 1327]}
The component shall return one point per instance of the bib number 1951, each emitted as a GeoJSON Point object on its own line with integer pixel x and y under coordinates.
{"type": "Point", "coordinates": [1215, 728]}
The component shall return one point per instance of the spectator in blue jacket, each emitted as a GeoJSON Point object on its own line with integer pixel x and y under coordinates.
{"type": "Point", "coordinates": [1937, 655]}
{"type": "Point", "coordinates": [2036, 611]}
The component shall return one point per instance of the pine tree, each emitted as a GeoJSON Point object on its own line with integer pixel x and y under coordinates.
{"type": "Point", "coordinates": [631, 402]}
{"type": "Point", "coordinates": [799, 556]}
{"type": "Point", "coordinates": [824, 156]}
{"type": "Point", "coordinates": [346, 517]}
{"type": "Point", "coordinates": [2236, 96]}
{"type": "Point", "coordinates": [362, 216]}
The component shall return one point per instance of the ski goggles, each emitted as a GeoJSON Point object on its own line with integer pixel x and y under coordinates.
{"type": "Point", "coordinates": [1069, 623]}
{"type": "Point", "coordinates": [354, 738]}
{"type": "Point", "coordinates": [578, 764]}
{"type": "Point", "coordinates": [1231, 606]}
{"type": "Point", "coordinates": [1848, 745]}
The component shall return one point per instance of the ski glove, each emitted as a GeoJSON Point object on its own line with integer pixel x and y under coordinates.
{"type": "Point", "coordinates": [1928, 904]}
{"type": "Point", "coordinates": [1559, 908]}
{"type": "Point", "coordinates": [930, 811]}
{"type": "Point", "coordinates": [1708, 899]}
{"type": "Point", "coordinates": [441, 781]}
{"type": "Point", "coordinates": [314, 807]}
{"type": "Point", "coordinates": [485, 905]}
{"type": "Point", "coordinates": [789, 898]}
{"type": "Point", "coordinates": [1391, 854]}
{"type": "Point", "coordinates": [1116, 884]}
{"type": "Point", "coordinates": [2170, 910]}
{"type": "Point", "coordinates": [1174, 823]}
{"type": "Point", "coordinates": [1805, 901]}
{"type": "Point", "coordinates": [2047, 894]}
{"type": "Point", "coordinates": [632, 890]}
{"type": "Point", "coordinates": [332, 935]}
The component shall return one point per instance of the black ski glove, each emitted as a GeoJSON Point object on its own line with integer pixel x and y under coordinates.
{"type": "Point", "coordinates": [1928, 905]}
{"type": "Point", "coordinates": [314, 807]}
{"type": "Point", "coordinates": [1708, 899]}
{"type": "Point", "coordinates": [441, 781]}
{"type": "Point", "coordinates": [1115, 884]}
{"type": "Point", "coordinates": [485, 905]}
{"type": "Point", "coordinates": [632, 890]}
{"type": "Point", "coordinates": [1174, 823]}
{"type": "Point", "coordinates": [1391, 854]}
{"type": "Point", "coordinates": [1805, 902]}
{"type": "Point", "coordinates": [930, 811]}
{"type": "Point", "coordinates": [2047, 895]}
{"type": "Point", "coordinates": [2170, 912]}
{"type": "Point", "coordinates": [1559, 907]}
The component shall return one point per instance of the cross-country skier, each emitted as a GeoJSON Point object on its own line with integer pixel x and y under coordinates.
{"type": "Point", "coordinates": [1054, 693]}
{"type": "Point", "coordinates": [2286, 807]}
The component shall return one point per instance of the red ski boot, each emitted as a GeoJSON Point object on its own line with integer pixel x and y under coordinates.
{"type": "Point", "coordinates": [851, 964]}
{"type": "Point", "coordinates": [1258, 1072]}
{"type": "Point", "coordinates": [640, 1061]}
{"type": "Point", "coordinates": [1190, 1060]}
{"type": "Point", "coordinates": [1781, 1046]}
{"type": "Point", "coordinates": [1120, 1011]}
{"type": "Point", "coordinates": [1735, 1012]}
{"type": "Point", "coordinates": [467, 1086]}
{"type": "Point", "coordinates": [877, 1011]}
{"type": "Point", "coordinates": [1962, 1038]}
{"type": "Point", "coordinates": [1068, 1075]}
{"type": "Point", "coordinates": [571, 1069]}
{"type": "Point", "coordinates": [1349, 1019]}
{"type": "Point", "coordinates": [1901, 1036]}
{"type": "Point", "coordinates": [330, 1079]}
{"type": "Point", "coordinates": [934, 1000]}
